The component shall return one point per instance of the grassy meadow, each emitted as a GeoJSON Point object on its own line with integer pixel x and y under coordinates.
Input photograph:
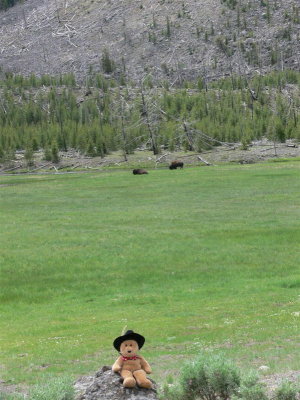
{"type": "Point", "coordinates": [204, 258]}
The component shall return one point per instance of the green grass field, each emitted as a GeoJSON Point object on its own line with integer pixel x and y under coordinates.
{"type": "Point", "coordinates": [200, 258]}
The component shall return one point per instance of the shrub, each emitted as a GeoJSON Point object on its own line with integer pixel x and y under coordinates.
{"type": "Point", "coordinates": [171, 392]}
{"type": "Point", "coordinates": [287, 391]}
{"type": "Point", "coordinates": [54, 389]}
{"type": "Point", "coordinates": [245, 142]}
{"type": "Point", "coordinates": [212, 377]}
{"type": "Point", "coordinates": [209, 377]}
{"type": "Point", "coordinates": [251, 389]}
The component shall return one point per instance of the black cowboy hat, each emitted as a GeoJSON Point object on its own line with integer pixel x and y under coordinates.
{"type": "Point", "coordinates": [129, 335]}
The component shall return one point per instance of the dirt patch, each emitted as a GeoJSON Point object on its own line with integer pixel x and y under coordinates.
{"type": "Point", "coordinates": [11, 389]}
{"type": "Point", "coordinates": [274, 381]}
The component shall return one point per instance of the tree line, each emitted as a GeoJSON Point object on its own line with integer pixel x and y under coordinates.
{"type": "Point", "coordinates": [4, 4]}
{"type": "Point", "coordinates": [55, 113]}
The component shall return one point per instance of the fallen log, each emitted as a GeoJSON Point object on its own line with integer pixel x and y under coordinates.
{"type": "Point", "coordinates": [159, 158]}
{"type": "Point", "coordinates": [12, 169]}
{"type": "Point", "coordinates": [76, 166]}
{"type": "Point", "coordinates": [204, 161]}
{"type": "Point", "coordinates": [41, 166]}
{"type": "Point", "coordinates": [65, 166]}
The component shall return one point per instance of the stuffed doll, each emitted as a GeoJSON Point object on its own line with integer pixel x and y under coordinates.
{"type": "Point", "coordinates": [132, 367]}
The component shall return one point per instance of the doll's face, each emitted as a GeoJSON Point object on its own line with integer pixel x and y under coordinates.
{"type": "Point", "coordinates": [129, 348]}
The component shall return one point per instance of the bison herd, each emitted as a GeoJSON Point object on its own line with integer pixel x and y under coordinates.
{"type": "Point", "coordinates": [174, 165]}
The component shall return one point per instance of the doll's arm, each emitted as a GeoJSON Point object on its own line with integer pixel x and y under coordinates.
{"type": "Point", "coordinates": [146, 367]}
{"type": "Point", "coordinates": [117, 365]}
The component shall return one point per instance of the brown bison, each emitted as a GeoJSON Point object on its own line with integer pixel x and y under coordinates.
{"type": "Point", "coordinates": [176, 164]}
{"type": "Point", "coordinates": [139, 171]}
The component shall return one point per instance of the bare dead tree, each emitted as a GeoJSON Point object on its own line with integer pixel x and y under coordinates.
{"type": "Point", "coordinates": [205, 77]}
{"type": "Point", "coordinates": [24, 18]}
{"type": "Point", "coordinates": [123, 130]}
{"type": "Point", "coordinates": [57, 11]}
{"type": "Point", "coordinates": [189, 137]}
{"type": "Point", "coordinates": [146, 115]}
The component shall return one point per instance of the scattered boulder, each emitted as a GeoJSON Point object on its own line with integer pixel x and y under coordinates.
{"type": "Point", "coordinates": [107, 385]}
{"type": "Point", "coordinates": [263, 368]}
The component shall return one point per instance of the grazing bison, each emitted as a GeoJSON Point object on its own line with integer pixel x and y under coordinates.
{"type": "Point", "coordinates": [176, 164]}
{"type": "Point", "coordinates": [139, 171]}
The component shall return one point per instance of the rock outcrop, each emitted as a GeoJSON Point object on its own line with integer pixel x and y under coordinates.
{"type": "Point", "coordinates": [107, 385]}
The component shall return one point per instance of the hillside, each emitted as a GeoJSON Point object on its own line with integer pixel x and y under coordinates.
{"type": "Point", "coordinates": [172, 39]}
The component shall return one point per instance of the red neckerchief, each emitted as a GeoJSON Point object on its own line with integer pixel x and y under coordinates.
{"type": "Point", "coordinates": [130, 358]}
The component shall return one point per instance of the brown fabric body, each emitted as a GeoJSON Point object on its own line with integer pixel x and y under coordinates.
{"type": "Point", "coordinates": [132, 371]}
{"type": "Point", "coordinates": [132, 365]}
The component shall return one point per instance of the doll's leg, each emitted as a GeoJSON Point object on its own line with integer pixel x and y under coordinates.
{"type": "Point", "coordinates": [141, 379]}
{"type": "Point", "coordinates": [129, 380]}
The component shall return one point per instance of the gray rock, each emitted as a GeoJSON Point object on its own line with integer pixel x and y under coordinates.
{"type": "Point", "coordinates": [107, 385]}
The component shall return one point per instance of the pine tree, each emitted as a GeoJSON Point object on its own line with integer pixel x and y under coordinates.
{"type": "Point", "coordinates": [168, 30]}
{"type": "Point", "coordinates": [99, 148]}
{"type": "Point", "coordinates": [1, 153]}
{"type": "Point", "coordinates": [108, 64]}
{"type": "Point", "coordinates": [29, 154]}
{"type": "Point", "coordinates": [90, 150]}
{"type": "Point", "coordinates": [54, 152]}
{"type": "Point", "coordinates": [47, 154]}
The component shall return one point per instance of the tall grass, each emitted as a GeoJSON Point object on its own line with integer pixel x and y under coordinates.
{"type": "Point", "coordinates": [54, 389]}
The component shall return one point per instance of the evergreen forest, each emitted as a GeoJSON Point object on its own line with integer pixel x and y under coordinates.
{"type": "Point", "coordinates": [105, 115]}
{"type": "Point", "coordinates": [4, 4]}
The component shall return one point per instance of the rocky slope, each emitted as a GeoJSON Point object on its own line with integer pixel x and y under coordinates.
{"type": "Point", "coordinates": [172, 39]}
